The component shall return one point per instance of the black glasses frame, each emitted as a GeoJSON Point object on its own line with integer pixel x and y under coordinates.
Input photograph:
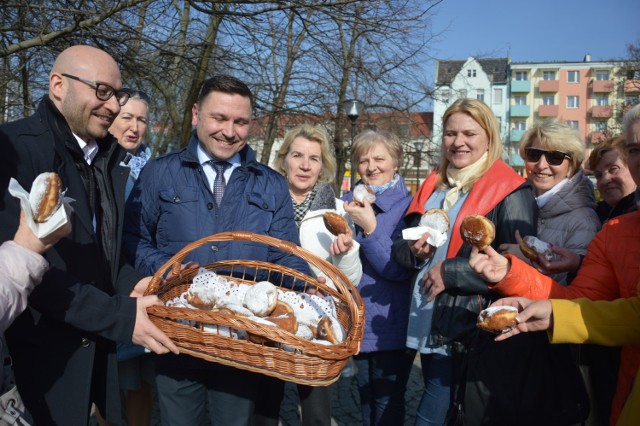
{"type": "Point", "coordinates": [104, 92]}
{"type": "Point", "coordinates": [554, 158]}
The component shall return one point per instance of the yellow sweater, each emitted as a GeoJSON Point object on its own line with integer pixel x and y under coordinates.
{"type": "Point", "coordinates": [603, 323]}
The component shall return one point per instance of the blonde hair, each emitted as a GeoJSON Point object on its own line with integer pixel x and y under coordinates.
{"type": "Point", "coordinates": [486, 119]}
{"type": "Point", "coordinates": [368, 138]}
{"type": "Point", "coordinates": [554, 135]}
{"type": "Point", "coordinates": [614, 144]}
{"type": "Point", "coordinates": [315, 134]}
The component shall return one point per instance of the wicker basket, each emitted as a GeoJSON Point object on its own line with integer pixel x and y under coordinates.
{"type": "Point", "coordinates": [303, 361]}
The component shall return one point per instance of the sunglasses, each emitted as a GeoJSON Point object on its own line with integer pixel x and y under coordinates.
{"type": "Point", "coordinates": [554, 158]}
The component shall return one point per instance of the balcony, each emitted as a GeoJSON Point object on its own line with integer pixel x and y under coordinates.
{"type": "Point", "coordinates": [632, 86]}
{"type": "Point", "coordinates": [549, 85]}
{"type": "Point", "coordinates": [520, 86]}
{"type": "Point", "coordinates": [516, 135]}
{"type": "Point", "coordinates": [548, 111]}
{"type": "Point", "coordinates": [601, 111]}
{"type": "Point", "coordinates": [602, 86]}
{"type": "Point", "coordinates": [520, 110]}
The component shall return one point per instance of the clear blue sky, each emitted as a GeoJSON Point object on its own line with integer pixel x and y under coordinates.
{"type": "Point", "coordinates": [536, 30]}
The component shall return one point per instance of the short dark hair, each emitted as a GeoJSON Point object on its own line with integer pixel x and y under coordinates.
{"type": "Point", "coordinates": [225, 84]}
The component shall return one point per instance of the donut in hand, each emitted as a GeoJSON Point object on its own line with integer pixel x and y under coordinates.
{"type": "Point", "coordinates": [498, 319]}
{"type": "Point", "coordinates": [534, 249]}
{"type": "Point", "coordinates": [46, 196]}
{"type": "Point", "coordinates": [436, 219]}
{"type": "Point", "coordinates": [477, 231]}
{"type": "Point", "coordinates": [363, 192]}
{"type": "Point", "coordinates": [335, 223]}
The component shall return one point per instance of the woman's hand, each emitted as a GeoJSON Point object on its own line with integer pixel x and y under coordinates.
{"type": "Point", "coordinates": [363, 216]}
{"type": "Point", "coordinates": [534, 315]}
{"type": "Point", "coordinates": [342, 243]}
{"type": "Point", "coordinates": [568, 262]}
{"type": "Point", "coordinates": [490, 265]}
{"type": "Point", "coordinates": [432, 282]}
{"type": "Point", "coordinates": [26, 238]}
{"type": "Point", "coordinates": [420, 248]}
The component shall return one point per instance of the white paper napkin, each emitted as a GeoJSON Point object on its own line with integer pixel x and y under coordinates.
{"type": "Point", "coordinates": [436, 238]}
{"type": "Point", "coordinates": [41, 230]}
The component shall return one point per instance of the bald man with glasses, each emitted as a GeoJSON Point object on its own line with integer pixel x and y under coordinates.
{"type": "Point", "coordinates": [63, 345]}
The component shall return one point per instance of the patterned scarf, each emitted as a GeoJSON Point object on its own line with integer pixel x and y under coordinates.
{"type": "Point", "coordinates": [379, 189]}
{"type": "Point", "coordinates": [137, 162]}
{"type": "Point", "coordinates": [300, 210]}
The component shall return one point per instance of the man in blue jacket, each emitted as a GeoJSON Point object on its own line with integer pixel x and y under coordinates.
{"type": "Point", "coordinates": [178, 199]}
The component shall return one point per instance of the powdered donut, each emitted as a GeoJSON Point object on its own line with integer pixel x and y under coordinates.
{"type": "Point", "coordinates": [261, 298]}
{"type": "Point", "coordinates": [533, 248]}
{"type": "Point", "coordinates": [362, 192]}
{"type": "Point", "coordinates": [46, 196]}
{"type": "Point", "coordinates": [498, 319]}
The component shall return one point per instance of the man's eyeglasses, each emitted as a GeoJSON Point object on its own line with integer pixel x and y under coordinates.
{"type": "Point", "coordinates": [104, 92]}
{"type": "Point", "coordinates": [554, 158]}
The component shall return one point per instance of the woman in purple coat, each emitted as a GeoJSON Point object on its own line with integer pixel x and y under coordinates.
{"type": "Point", "coordinates": [384, 363]}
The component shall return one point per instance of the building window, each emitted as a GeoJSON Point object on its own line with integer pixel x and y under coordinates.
{"type": "Point", "coordinates": [471, 72]}
{"type": "Point", "coordinates": [520, 100]}
{"type": "Point", "coordinates": [549, 75]}
{"type": "Point", "coordinates": [631, 100]}
{"type": "Point", "coordinates": [463, 93]}
{"type": "Point", "coordinates": [519, 125]}
{"type": "Point", "coordinates": [633, 75]}
{"type": "Point", "coordinates": [600, 125]}
{"type": "Point", "coordinates": [573, 101]}
{"type": "Point", "coordinates": [497, 96]}
{"type": "Point", "coordinates": [522, 75]}
{"type": "Point", "coordinates": [573, 124]}
{"type": "Point", "coordinates": [602, 100]}
{"type": "Point", "coordinates": [602, 75]}
{"type": "Point", "coordinates": [548, 100]}
{"type": "Point", "coordinates": [480, 95]}
{"type": "Point", "coordinates": [573, 76]}
{"type": "Point", "coordinates": [445, 96]}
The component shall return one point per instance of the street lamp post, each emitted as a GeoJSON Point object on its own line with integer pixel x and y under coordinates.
{"type": "Point", "coordinates": [353, 108]}
{"type": "Point", "coordinates": [419, 146]}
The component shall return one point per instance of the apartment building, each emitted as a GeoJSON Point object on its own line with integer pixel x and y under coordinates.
{"type": "Point", "coordinates": [484, 79]}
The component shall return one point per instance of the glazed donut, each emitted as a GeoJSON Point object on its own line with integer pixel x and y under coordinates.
{"type": "Point", "coordinates": [478, 231]}
{"type": "Point", "coordinates": [497, 319]}
{"type": "Point", "coordinates": [46, 196]}
{"type": "Point", "coordinates": [362, 192]}
{"type": "Point", "coordinates": [534, 248]}
{"type": "Point", "coordinates": [335, 223]}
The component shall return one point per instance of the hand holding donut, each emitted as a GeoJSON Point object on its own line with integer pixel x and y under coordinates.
{"type": "Point", "coordinates": [492, 266]}
{"type": "Point", "coordinates": [362, 215]}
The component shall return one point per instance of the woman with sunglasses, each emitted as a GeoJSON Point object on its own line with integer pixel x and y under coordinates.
{"type": "Point", "coordinates": [553, 153]}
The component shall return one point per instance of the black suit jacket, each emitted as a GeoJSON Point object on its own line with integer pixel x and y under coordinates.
{"type": "Point", "coordinates": [63, 345]}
